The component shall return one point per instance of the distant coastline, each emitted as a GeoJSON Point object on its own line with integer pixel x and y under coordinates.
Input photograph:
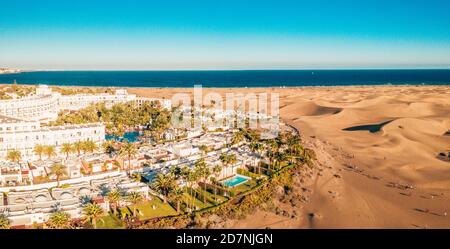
{"type": "Point", "coordinates": [232, 78]}
{"type": "Point", "coordinates": [10, 71]}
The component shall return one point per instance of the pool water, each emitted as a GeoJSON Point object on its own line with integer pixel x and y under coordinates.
{"type": "Point", "coordinates": [235, 181]}
{"type": "Point", "coordinates": [129, 136]}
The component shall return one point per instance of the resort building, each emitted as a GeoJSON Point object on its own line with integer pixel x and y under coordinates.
{"type": "Point", "coordinates": [21, 118]}
{"type": "Point", "coordinates": [79, 101]}
{"type": "Point", "coordinates": [165, 103]}
{"type": "Point", "coordinates": [12, 174]}
{"type": "Point", "coordinates": [45, 104]}
{"type": "Point", "coordinates": [41, 106]}
{"type": "Point", "coordinates": [34, 204]}
{"type": "Point", "coordinates": [21, 135]}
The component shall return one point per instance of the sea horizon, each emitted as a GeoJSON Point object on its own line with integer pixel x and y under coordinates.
{"type": "Point", "coordinates": [250, 78]}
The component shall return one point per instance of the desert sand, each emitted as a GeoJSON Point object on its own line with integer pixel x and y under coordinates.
{"type": "Point", "coordinates": [377, 150]}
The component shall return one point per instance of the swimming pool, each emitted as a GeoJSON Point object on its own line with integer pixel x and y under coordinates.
{"type": "Point", "coordinates": [129, 136]}
{"type": "Point", "coordinates": [235, 180]}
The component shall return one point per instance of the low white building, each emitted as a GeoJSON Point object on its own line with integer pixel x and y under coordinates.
{"type": "Point", "coordinates": [165, 103]}
{"type": "Point", "coordinates": [184, 149]}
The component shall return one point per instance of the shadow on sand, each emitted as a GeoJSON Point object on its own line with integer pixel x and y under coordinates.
{"type": "Point", "coordinates": [372, 128]}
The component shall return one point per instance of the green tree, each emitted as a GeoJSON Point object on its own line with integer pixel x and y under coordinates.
{"type": "Point", "coordinates": [256, 147]}
{"type": "Point", "coordinates": [78, 147]}
{"type": "Point", "coordinates": [5, 223]}
{"type": "Point", "coordinates": [135, 198]}
{"type": "Point", "coordinates": [59, 220]}
{"type": "Point", "coordinates": [108, 147]}
{"type": "Point", "coordinates": [216, 171]}
{"type": "Point", "coordinates": [203, 172]}
{"type": "Point", "coordinates": [114, 197]}
{"type": "Point", "coordinates": [177, 196]}
{"type": "Point", "coordinates": [237, 137]}
{"type": "Point", "coordinates": [192, 178]}
{"type": "Point", "coordinates": [39, 150]}
{"type": "Point", "coordinates": [14, 156]}
{"type": "Point", "coordinates": [66, 148]}
{"type": "Point", "coordinates": [58, 170]}
{"type": "Point", "coordinates": [93, 211]}
{"type": "Point", "coordinates": [164, 183]}
{"type": "Point", "coordinates": [89, 146]}
{"type": "Point", "coordinates": [50, 151]}
{"type": "Point", "coordinates": [225, 159]}
{"type": "Point", "coordinates": [128, 150]}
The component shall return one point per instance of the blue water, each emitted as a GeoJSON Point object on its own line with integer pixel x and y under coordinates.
{"type": "Point", "coordinates": [234, 181]}
{"type": "Point", "coordinates": [129, 136]}
{"type": "Point", "coordinates": [244, 78]}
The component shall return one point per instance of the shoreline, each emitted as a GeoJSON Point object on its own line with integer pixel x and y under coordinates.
{"type": "Point", "coordinates": [236, 87]}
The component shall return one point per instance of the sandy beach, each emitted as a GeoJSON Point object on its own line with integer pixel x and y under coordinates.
{"type": "Point", "coordinates": [377, 149]}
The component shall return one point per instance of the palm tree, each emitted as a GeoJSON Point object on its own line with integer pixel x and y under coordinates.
{"type": "Point", "coordinates": [293, 139]}
{"type": "Point", "coordinates": [108, 146]}
{"type": "Point", "coordinates": [4, 222]}
{"type": "Point", "coordinates": [49, 151]}
{"type": "Point", "coordinates": [237, 137]}
{"type": "Point", "coordinates": [135, 198]}
{"type": "Point", "coordinates": [58, 170]}
{"type": "Point", "coordinates": [225, 159]}
{"type": "Point", "coordinates": [256, 148]}
{"type": "Point", "coordinates": [66, 148]}
{"type": "Point", "coordinates": [59, 219]}
{"type": "Point", "coordinates": [203, 172]}
{"type": "Point", "coordinates": [14, 156]}
{"type": "Point", "coordinates": [89, 146]}
{"type": "Point", "coordinates": [192, 177]}
{"type": "Point", "coordinates": [279, 157]}
{"type": "Point", "coordinates": [177, 196]}
{"type": "Point", "coordinates": [114, 198]}
{"type": "Point", "coordinates": [78, 147]}
{"type": "Point", "coordinates": [216, 171]}
{"type": "Point", "coordinates": [39, 150]}
{"type": "Point", "coordinates": [273, 144]}
{"type": "Point", "coordinates": [270, 155]}
{"type": "Point", "coordinates": [128, 150]}
{"type": "Point", "coordinates": [232, 159]}
{"type": "Point", "coordinates": [186, 173]}
{"type": "Point", "coordinates": [164, 183]}
{"type": "Point", "coordinates": [93, 211]}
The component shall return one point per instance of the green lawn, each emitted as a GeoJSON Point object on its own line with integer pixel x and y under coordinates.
{"type": "Point", "coordinates": [146, 211]}
{"type": "Point", "coordinates": [198, 203]}
{"type": "Point", "coordinates": [245, 186]}
{"type": "Point", "coordinates": [212, 196]}
{"type": "Point", "coordinates": [109, 222]}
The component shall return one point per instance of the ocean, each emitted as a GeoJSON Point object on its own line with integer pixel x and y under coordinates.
{"type": "Point", "coordinates": [232, 78]}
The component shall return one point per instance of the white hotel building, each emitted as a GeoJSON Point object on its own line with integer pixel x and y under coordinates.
{"type": "Point", "coordinates": [24, 135]}
{"type": "Point", "coordinates": [44, 105]}
{"type": "Point", "coordinates": [20, 119]}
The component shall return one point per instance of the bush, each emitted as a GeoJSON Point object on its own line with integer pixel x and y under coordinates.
{"type": "Point", "coordinates": [201, 195]}
{"type": "Point", "coordinates": [247, 173]}
{"type": "Point", "coordinates": [219, 189]}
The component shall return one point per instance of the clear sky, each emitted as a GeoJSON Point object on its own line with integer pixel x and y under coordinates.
{"type": "Point", "coordinates": [219, 34]}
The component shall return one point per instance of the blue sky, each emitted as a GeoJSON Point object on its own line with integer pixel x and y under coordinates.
{"type": "Point", "coordinates": [230, 34]}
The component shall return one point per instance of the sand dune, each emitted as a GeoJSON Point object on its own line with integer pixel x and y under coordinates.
{"type": "Point", "coordinates": [308, 109]}
{"type": "Point", "coordinates": [382, 141]}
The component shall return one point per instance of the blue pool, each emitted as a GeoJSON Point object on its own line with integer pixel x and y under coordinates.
{"type": "Point", "coordinates": [129, 136]}
{"type": "Point", "coordinates": [235, 181]}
